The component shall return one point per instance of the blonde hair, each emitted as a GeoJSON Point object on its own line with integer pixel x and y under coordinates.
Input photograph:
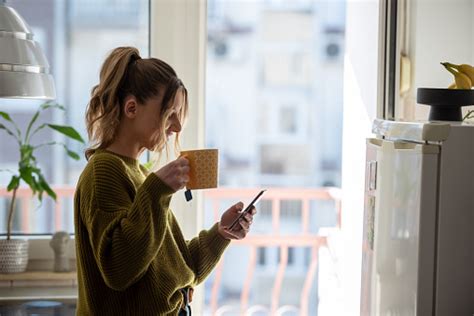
{"type": "Point", "coordinates": [125, 73]}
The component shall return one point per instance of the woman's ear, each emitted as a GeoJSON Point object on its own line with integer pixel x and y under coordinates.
{"type": "Point", "coordinates": [130, 107]}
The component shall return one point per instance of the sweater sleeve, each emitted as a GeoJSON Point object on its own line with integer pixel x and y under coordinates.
{"type": "Point", "coordinates": [125, 233]}
{"type": "Point", "coordinates": [206, 249]}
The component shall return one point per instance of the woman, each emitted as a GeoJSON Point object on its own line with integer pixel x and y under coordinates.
{"type": "Point", "coordinates": [132, 258]}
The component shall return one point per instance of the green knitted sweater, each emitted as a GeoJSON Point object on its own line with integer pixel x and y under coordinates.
{"type": "Point", "coordinates": [132, 258]}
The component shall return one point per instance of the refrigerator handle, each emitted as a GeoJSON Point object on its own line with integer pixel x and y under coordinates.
{"type": "Point", "coordinates": [399, 145]}
{"type": "Point", "coordinates": [372, 175]}
{"type": "Point", "coordinates": [375, 141]}
{"type": "Point", "coordinates": [386, 144]}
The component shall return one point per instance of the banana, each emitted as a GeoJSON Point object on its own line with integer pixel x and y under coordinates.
{"type": "Point", "coordinates": [466, 69]}
{"type": "Point", "coordinates": [462, 80]}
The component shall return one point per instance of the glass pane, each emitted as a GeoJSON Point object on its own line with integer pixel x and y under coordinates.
{"type": "Point", "coordinates": [76, 36]}
{"type": "Point", "coordinates": [274, 109]}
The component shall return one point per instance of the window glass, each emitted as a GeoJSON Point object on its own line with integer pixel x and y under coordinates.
{"type": "Point", "coordinates": [76, 36]}
{"type": "Point", "coordinates": [274, 81]}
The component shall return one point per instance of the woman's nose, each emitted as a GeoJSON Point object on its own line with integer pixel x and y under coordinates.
{"type": "Point", "coordinates": [175, 125]}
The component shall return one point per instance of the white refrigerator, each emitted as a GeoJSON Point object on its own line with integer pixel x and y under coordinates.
{"type": "Point", "coordinates": [418, 243]}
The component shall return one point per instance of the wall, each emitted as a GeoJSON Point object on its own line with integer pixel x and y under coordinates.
{"type": "Point", "coordinates": [360, 108]}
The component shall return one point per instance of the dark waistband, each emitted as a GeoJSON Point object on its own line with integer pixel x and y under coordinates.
{"type": "Point", "coordinates": [187, 295]}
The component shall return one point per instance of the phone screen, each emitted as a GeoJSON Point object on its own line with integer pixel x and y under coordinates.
{"type": "Point", "coordinates": [247, 209]}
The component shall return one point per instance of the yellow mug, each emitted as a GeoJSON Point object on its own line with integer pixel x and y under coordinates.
{"type": "Point", "coordinates": [204, 166]}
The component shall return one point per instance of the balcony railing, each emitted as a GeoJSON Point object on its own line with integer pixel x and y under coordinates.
{"type": "Point", "coordinates": [24, 201]}
{"type": "Point", "coordinates": [306, 237]}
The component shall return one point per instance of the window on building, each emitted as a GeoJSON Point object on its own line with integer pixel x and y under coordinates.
{"type": "Point", "coordinates": [262, 256]}
{"type": "Point", "coordinates": [291, 256]}
{"type": "Point", "coordinates": [288, 120]}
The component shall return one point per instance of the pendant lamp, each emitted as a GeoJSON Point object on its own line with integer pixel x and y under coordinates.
{"type": "Point", "coordinates": [24, 69]}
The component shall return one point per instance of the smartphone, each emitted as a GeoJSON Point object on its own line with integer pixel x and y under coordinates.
{"type": "Point", "coordinates": [247, 209]}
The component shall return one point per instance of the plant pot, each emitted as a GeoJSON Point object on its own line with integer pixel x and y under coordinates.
{"type": "Point", "coordinates": [13, 255]}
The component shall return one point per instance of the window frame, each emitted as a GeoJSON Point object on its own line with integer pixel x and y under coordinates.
{"type": "Point", "coordinates": [390, 17]}
{"type": "Point", "coordinates": [178, 35]}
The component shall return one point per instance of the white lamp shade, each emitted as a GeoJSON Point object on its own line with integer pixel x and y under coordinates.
{"type": "Point", "coordinates": [24, 69]}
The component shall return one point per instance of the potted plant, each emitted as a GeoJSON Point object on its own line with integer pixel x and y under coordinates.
{"type": "Point", "coordinates": [14, 252]}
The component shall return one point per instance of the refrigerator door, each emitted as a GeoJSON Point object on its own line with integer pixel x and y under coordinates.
{"type": "Point", "coordinates": [399, 228]}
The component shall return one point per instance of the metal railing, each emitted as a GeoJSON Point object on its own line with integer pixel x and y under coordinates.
{"type": "Point", "coordinates": [305, 238]}
{"type": "Point", "coordinates": [24, 200]}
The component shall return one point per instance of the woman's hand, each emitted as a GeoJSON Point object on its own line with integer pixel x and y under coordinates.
{"type": "Point", "coordinates": [241, 229]}
{"type": "Point", "coordinates": [175, 174]}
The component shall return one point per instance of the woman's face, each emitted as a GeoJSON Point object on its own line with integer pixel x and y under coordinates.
{"type": "Point", "coordinates": [148, 122]}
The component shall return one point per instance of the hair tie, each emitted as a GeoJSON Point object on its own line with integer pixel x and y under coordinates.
{"type": "Point", "coordinates": [134, 58]}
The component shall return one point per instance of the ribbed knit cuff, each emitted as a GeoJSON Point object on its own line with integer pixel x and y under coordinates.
{"type": "Point", "coordinates": [218, 243]}
{"type": "Point", "coordinates": [156, 187]}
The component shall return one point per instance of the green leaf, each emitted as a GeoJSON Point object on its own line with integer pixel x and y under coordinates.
{"type": "Point", "coordinates": [14, 183]}
{"type": "Point", "coordinates": [26, 150]}
{"type": "Point", "coordinates": [27, 175]}
{"type": "Point", "coordinates": [48, 105]}
{"type": "Point", "coordinates": [40, 195]}
{"type": "Point", "coordinates": [33, 120]}
{"type": "Point", "coordinates": [68, 131]}
{"type": "Point", "coordinates": [69, 152]}
{"type": "Point", "coordinates": [148, 165]}
{"type": "Point", "coordinates": [73, 154]}
{"type": "Point", "coordinates": [9, 131]}
{"type": "Point", "coordinates": [38, 129]}
{"type": "Point", "coordinates": [46, 187]}
{"type": "Point", "coordinates": [48, 144]}
{"type": "Point", "coordinates": [6, 116]}
{"type": "Point", "coordinates": [27, 158]}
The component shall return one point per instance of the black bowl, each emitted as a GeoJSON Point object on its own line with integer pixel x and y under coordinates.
{"type": "Point", "coordinates": [445, 103]}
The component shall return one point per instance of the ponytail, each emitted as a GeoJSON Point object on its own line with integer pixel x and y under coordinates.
{"type": "Point", "coordinates": [103, 113]}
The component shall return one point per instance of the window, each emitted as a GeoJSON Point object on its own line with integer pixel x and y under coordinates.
{"type": "Point", "coordinates": [283, 159]}
{"type": "Point", "coordinates": [76, 37]}
{"type": "Point", "coordinates": [262, 256]}
{"type": "Point", "coordinates": [291, 256]}
{"type": "Point", "coordinates": [288, 120]}
{"type": "Point", "coordinates": [274, 110]}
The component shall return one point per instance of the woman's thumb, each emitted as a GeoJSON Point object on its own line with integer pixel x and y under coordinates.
{"type": "Point", "coordinates": [238, 207]}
